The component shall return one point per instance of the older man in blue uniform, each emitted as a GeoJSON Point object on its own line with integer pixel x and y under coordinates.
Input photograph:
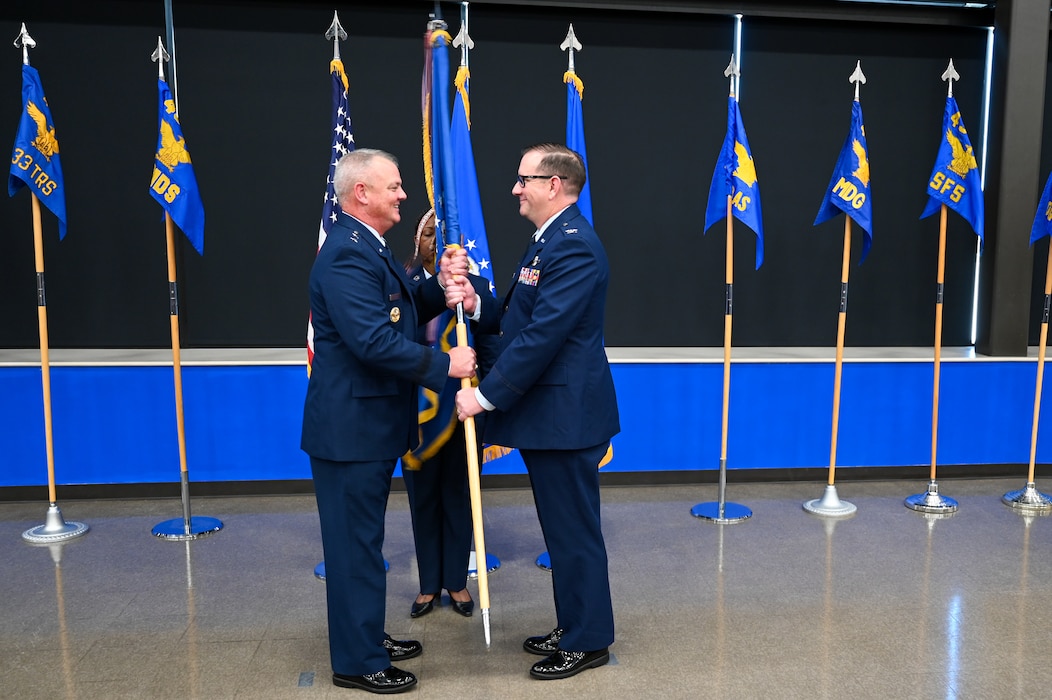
{"type": "Point", "coordinates": [551, 395]}
{"type": "Point", "coordinates": [360, 412]}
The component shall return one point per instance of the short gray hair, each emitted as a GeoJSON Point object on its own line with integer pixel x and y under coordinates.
{"type": "Point", "coordinates": [354, 167]}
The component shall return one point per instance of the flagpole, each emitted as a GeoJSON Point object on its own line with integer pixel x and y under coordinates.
{"type": "Point", "coordinates": [1028, 498]}
{"type": "Point", "coordinates": [720, 511]}
{"type": "Point", "coordinates": [187, 527]}
{"type": "Point", "coordinates": [474, 489]}
{"type": "Point", "coordinates": [54, 529]}
{"type": "Point", "coordinates": [932, 501]}
{"type": "Point", "coordinates": [584, 200]}
{"type": "Point", "coordinates": [470, 438]}
{"type": "Point", "coordinates": [448, 227]}
{"type": "Point", "coordinates": [489, 562]}
{"type": "Point", "coordinates": [336, 33]}
{"type": "Point", "coordinates": [830, 504]}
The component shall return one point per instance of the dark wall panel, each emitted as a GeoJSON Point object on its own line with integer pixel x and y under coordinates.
{"type": "Point", "coordinates": [798, 101]}
{"type": "Point", "coordinates": [253, 91]}
{"type": "Point", "coordinates": [1040, 249]}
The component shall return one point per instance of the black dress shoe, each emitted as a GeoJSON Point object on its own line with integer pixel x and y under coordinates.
{"type": "Point", "coordinates": [421, 609]}
{"type": "Point", "coordinates": [563, 664]}
{"type": "Point", "coordinates": [390, 680]}
{"type": "Point", "coordinates": [402, 650]}
{"type": "Point", "coordinates": [464, 608]}
{"type": "Point", "coordinates": [546, 645]}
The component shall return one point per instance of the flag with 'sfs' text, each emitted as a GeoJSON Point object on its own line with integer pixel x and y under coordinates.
{"type": "Point", "coordinates": [35, 159]}
{"type": "Point", "coordinates": [848, 189]}
{"type": "Point", "coordinates": [173, 184]}
{"type": "Point", "coordinates": [735, 177]}
{"type": "Point", "coordinates": [342, 144]}
{"type": "Point", "coordinates": [955, 179]}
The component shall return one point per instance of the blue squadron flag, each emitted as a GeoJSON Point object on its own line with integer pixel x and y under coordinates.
{"type": "Point", "coordinates": [735, 177]}
{"type": "Point", "coordinates": [35, 161]}
{"type": "Point", "coordinates": [1043, 217]}
{"type": "Point", "coordinates": [472, 226]}
{"type": "Point", "coordinates": [575, 136]}
{"type": "Point", "coordinates": [848, 189]}
{"type": "Point", "coordinates": [436, 413]}
{"type": "Point", "coordinates": [173, 184]}
{"type": "Point", "coordinates": [342, 144]}
{"type": "Point", "coordinates": [955, 179]}
{"type": "Point", "coordinates": [443, 183]}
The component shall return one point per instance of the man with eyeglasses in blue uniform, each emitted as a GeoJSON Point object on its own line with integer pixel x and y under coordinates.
{"type": "Point", "coordinates": [551, 395]}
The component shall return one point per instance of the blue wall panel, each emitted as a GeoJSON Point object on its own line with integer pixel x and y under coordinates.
{"type": "Point", "coordinates": [117, 424]}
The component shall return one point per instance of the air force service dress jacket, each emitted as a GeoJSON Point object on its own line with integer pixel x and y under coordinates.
{"type": "Point", "coordinates": [551, 382]}
{"type": "Point", "coordinates": [361, 400]}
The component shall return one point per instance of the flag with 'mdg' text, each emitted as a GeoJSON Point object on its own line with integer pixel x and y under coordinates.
{"type": "Point", "coordinates": [35, 159]}
{"type": "Point", "coordinates": [849, 188]}
{"type": "Point", "coordinates": [173, 184]}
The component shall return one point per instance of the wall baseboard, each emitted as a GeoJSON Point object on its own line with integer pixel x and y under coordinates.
{"type": "Point", "coordinates": [293, 487]}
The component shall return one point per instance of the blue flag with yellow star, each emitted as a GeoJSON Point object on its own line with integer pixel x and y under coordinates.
{"type": "Point", "coordinates": [173, 184]}
{"type": "Point", "coordinates": [34, 160]}
{"type": "Point", "coordinates": [1043, 217]}
{"type": "Point", "coordinates": [472, 226]}
{"type": "Point", "coordinates": [848, 189]}
{"type": "Point", "coordinates": [735, 177]}
{"type": "Point", "coordinates": [955, 179]}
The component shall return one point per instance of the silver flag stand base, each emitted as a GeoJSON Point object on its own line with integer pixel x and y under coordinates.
{"type": "Point", "coordinates": [186, 527]}
{"type": "Point", "coordinates": [830, 504]}
{"type": "Point", "coordinates": [54, 529]}
{"type": "Point", "coordinates": [719, 511]}
{"type": "Point", "coordinates": [931, 501]}
{"type": "Point", "coordinates": [178, 529]}
{"type": "Point", "coordinates": [492, 564]}
{"type": "Point", "coordinates": [1028, 499]}
{"type": "Point", "coordinates": [723, 514]}
{"type": "Point", "coordinates": [319, 570]}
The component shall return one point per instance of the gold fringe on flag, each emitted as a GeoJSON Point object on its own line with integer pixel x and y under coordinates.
{"type": "Point", "coordinates": [571, 77]}
{"type": "Point", "coordinates": [461, 83]}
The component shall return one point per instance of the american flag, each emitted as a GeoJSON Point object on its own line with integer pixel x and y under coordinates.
{"type": "Point", "coordinates": [342, 143]}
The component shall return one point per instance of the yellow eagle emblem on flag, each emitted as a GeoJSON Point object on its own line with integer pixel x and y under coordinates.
{"type": "Point", "coordinates": [173, 150]}
{"type": "Point", "coordinates": [45, 142]}
{"type": "Point", "coordinates": [746, 170]}
{"type": "Point", "coordinates": [862, 173]}
{"type": "Point", "coordinates": [963, 157]}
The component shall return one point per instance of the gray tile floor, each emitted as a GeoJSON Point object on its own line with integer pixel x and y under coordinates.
{"type": "Point", "coordinates": [885, 604]}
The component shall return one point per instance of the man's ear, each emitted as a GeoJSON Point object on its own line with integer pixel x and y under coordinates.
{"type": "Point", "coordinates": [361, 192]}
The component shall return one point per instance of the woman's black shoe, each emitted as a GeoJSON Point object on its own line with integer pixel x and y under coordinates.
{"type": "Point", "coordinates": [463, 608]}
{"type": "Point", "coordinates": [421, 609]}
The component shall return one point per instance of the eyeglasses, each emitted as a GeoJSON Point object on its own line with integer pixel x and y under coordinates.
{"type": "Point", "coordinates": [521, 179]}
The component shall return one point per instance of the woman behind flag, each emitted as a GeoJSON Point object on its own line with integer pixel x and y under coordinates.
{"type": "Point", "coordinates": [435, 473]}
